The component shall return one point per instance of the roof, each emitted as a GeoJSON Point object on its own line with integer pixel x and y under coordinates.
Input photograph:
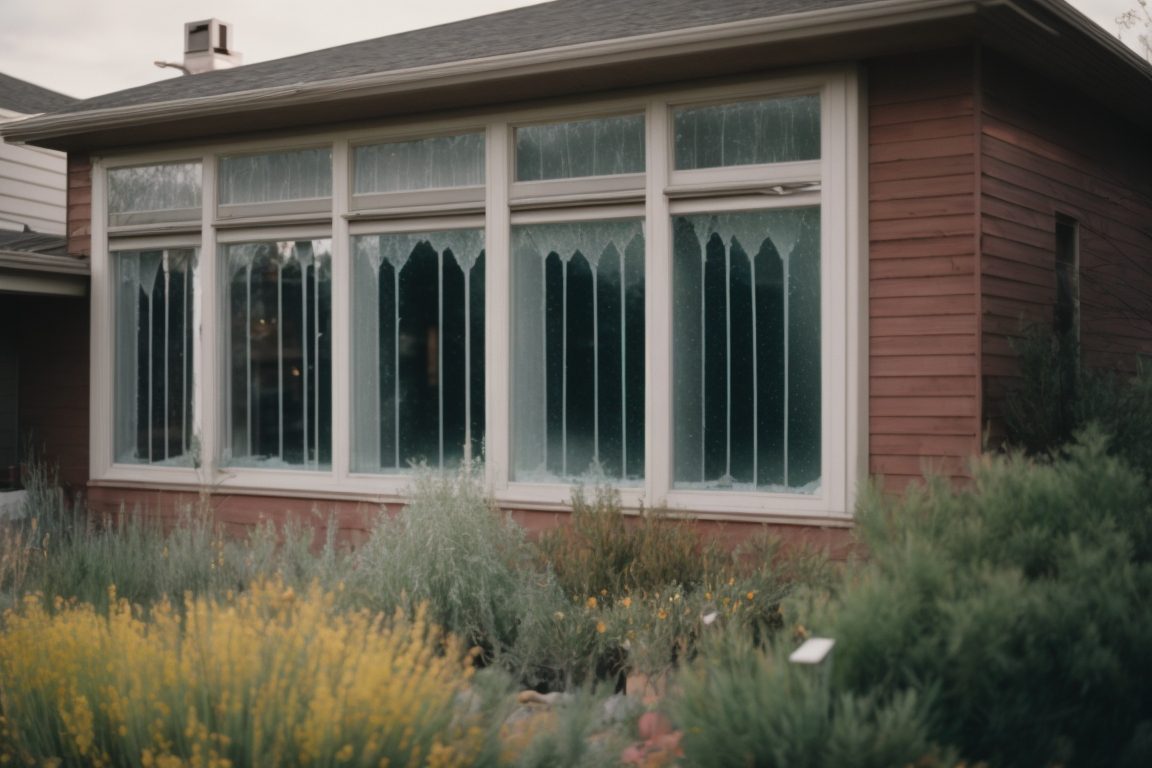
{"type": "Point", "coordinates": [21, 96]}
{"type": "Point", "coordinates": [569, 47]}
{"type": "Point", "coordinates": [33, 242]}
{"type": "Point", "coordinates": [531, 28]}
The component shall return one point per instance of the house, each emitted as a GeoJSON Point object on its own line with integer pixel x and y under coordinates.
{"type": "Point", "coordinates": [43, 302]}
{"type": "Point", "coordinates": [733, 258]}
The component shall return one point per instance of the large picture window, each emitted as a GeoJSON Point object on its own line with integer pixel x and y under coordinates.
{"type": "Point", "coordinates": [659, 291]}
{"type": "Point", "coordinates": [279, 346]}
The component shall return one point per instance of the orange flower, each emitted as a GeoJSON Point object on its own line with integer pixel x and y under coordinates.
{"type": "Point", "coordinates": [601, 627]}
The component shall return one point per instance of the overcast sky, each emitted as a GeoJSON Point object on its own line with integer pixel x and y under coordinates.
{"type": "Point", "coordinates": [88, 47]}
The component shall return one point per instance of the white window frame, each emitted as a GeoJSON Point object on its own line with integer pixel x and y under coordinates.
{"type": "Point", "coordinates": [655, 196]}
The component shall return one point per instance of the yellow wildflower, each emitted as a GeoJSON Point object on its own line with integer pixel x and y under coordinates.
{"type": "Point", "coordinates": [601, 627]}
{"type": "Point", "coordinates": [592, 602]}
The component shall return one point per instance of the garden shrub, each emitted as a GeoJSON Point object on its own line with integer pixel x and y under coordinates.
{"type": "Point", "coordinates": [269, 677]}
{"type": "Point", "coordinates": [600, 553]}
{"type": "Point", "coordinates": [452, 549]}
{"type": "Point", "coordinates": [1022, 602]}
{"type": "Point", "coordinates": [740, 705]}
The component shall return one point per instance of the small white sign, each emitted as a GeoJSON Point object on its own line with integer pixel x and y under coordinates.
{"type": "Point", "coordinates": [813, 651]}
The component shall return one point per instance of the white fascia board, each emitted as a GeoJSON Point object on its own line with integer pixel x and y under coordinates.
{"type": "Point", "coordinates": [776, 29]}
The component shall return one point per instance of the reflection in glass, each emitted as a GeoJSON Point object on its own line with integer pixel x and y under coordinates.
{"type": "Point", "coordinates": [166, 187]}
{"type": "Point", "coordinates": [600, 147]}
{"type": "Point", "coordinates": [776, 130]}
{"type": "Point", "coordinates": [297, 174]}
{"type": "Point", "coordinates": [437, 162]}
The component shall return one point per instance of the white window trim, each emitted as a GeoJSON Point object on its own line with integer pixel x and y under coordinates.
{"type": "Point", "coordinates": [655, 196]}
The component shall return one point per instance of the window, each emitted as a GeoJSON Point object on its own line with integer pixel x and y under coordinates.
{"type": "Point", "coordinates": [279, 346]}
{"type": "Point", "coordinates": [660, 291]}
{"type": "Point", "coordinates": [155, 295]}
{"type": "Point", "coordinates": [151, 194]}
{"type": "Point", "coordinates": [605, 146]}
{"type": "Point", "coordinates": [1066, 315]}
{"type": "Point", "coordinates": [747, 360]}
{"type": "Point", "coordinates": [418, 349]}
{"type": "Point", "coordinates": [155, 339]}
{"type": "Point", "coordinates": [578, 360]}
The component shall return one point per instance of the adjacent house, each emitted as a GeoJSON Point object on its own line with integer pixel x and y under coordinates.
{"type": "Point", "coordinates": [43, 302]}
{"type": "Point", "coordinates": [733, 258]}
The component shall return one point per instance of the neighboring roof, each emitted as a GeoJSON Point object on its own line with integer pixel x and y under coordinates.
{"type": "Point", "coordinates": [33, 242]}
{"type": "Point", "coordinates": [568, 47]}
{"type": "Point", "coordinates": [21, 96]}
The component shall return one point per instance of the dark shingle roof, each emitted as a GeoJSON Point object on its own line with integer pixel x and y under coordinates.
{"type": "Point", "coordinates": [549, 25]}
{"type": "Point", "coordinates": [24, 97]}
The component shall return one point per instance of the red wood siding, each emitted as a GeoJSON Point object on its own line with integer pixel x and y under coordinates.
{"type": "Point", "coordinates": [924, 409]}
{"type": "Point", "coordinates": [79, 225]}
{"type": "Point", "coordinates": [1048, 152]}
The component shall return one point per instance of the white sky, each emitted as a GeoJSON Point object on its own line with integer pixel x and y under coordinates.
{"type": "Point", "coordinates": [88, 47]}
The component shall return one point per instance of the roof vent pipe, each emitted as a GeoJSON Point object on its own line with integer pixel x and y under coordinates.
{"type": "Point", "coordinates": [207, 47]}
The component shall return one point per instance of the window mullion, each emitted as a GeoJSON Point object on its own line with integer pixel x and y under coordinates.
{"type": "Point", "coordinates": [497, 302]}
{"type": "Point", "coordinates": [658, 310]}
{"type": "Point", "coordinates": [341, 314]}
{"type": "Point", "coordinates": [208, 413]}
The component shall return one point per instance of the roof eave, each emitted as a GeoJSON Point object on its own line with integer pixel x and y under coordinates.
{"type": "Point", "coordinates": [33, 273]}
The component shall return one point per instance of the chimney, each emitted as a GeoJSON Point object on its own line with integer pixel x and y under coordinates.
{"type": "Point", "coordinates": [208, 46]}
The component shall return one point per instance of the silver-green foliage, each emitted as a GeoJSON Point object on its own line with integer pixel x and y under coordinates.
{"type": "Point", "coordinates": [450, 548]}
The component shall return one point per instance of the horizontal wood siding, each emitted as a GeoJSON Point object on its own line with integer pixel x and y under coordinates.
{"type": "Point", "coordinates": [923, 356]}
{"type": "Point", "coordinates": [32, 188]}
{"type": "Point", "coordinates": [1047, 152]}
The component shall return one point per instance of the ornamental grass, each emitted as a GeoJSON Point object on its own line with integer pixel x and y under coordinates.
{"type": "Point", "coordinates": [267, 677]}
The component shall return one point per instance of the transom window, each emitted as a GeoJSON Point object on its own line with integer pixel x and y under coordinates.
{"type": "Point", "coordinates": [659, 292]}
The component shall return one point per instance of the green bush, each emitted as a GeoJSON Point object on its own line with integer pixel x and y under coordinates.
{"type": "Point", "coordinates": [1022, 602]}
{"type": "Point", "coordinates": [740, 705]}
